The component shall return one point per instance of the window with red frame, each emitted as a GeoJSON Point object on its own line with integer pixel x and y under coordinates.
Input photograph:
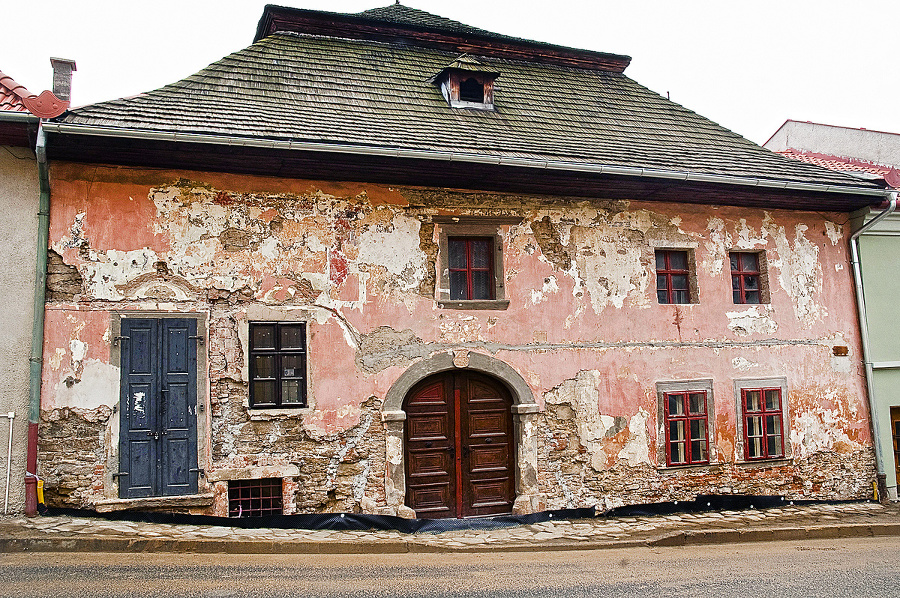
{"type": "Point", "coordinates": [471, 266]}
{"type": "Point", "coordinates": [745, 277]}
{"type": "Point", "coordinates": [672, 276]}
{"type": "Point", "coordinates": [686, 428]}
{"type": "Point", "coordinates": [763, 423]}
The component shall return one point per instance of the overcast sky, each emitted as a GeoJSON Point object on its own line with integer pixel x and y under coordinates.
{"type": "Point", "coordinates": [746, 65]}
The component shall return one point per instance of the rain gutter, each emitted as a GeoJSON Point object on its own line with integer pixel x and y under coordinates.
{"type": "Point", "coordinates": [393, 152]}
{"type": "Point", "coordinates": [864, 334]}
{"type": "Point", "coordinates": [37, 331]}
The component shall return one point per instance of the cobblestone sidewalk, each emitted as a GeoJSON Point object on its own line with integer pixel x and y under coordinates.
{"type": "Point", "coordinates": [788, 522]}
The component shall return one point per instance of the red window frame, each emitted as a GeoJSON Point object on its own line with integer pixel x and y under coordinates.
{"type": "Point", "coordinates": [467, 244]}
{"type": "Point", "coordinates": [691, 436]}
{"type": "Point", "coordinates": [666, 293]}
{"type": "Point", "coordinates": [740, 276]}
{"type": "Point", "coordinates": [760, 435]}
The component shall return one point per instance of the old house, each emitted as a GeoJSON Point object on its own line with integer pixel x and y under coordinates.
{"type": "Point", "coordinates": [872, 155]}
{"type": "Point", "coordinates": [22, 197]}
{"type": "Point", "coordinates": [389, 263]}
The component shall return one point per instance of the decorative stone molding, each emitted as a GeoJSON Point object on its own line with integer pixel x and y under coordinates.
{"type": "Point", "coordinates": [524, 409]}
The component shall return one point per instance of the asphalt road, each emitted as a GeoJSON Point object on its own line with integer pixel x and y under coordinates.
{"type": "Point", "coordinates": [855, 567]}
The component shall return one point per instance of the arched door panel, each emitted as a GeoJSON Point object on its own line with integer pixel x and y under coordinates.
{"type": "Point", "coordinates": [459, 446]}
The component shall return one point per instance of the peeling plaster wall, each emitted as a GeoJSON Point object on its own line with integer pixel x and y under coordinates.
{"type": "Point", "coordinates": [357, 262]}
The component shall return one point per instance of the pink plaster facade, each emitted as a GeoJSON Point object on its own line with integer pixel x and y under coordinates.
{"type": "Point", "coordinates": [359, 263]}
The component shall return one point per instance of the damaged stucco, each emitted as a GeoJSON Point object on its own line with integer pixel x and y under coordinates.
{"type": "Point", "coordinates": [358, 263]}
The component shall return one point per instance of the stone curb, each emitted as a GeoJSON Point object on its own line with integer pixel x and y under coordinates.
{"type": "Point", "coordinates": [212, 546]}
{"type": "Point", "coordinates": [814, 532]}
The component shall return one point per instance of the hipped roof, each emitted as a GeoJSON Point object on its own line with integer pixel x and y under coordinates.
{"type": "Point", "coordinates": [300, 87]}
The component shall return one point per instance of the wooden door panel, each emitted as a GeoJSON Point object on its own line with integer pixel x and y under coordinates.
{"type": "Point", "coordinates": [488, 469]}
{"type": "Point", "coordinates": [488, 458]}
{"type": "Point", "coordinates": [459, 447]}
{"type": "Point", "coordinates": [432, 500]}
{"type": "Point", "coordinates": [490, 498]}
{"type": "Point", "coordinates": [488, 423]}
{"type": "Point", "coordinates": [426, 427]}
{"type": "Point", "coordinates": [430, 463]}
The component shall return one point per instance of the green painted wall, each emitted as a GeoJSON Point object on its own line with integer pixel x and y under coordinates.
{"type": "Point", "coordinates": [880, 257]}
{"type": "Point", "coordinates": [880, 261]}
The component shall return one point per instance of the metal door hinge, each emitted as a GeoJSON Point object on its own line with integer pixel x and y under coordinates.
{"type": "Point", "coordinates": [199, 470]}
{"type": "Point", "coordinates": [120, 338]}
{"type": "Point", "coordinates": [119, 474]}
{"type": "Point", "coordinates": [200, 339]}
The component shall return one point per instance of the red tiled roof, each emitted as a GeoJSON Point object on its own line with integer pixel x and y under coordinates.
{"type": "Point", "coordinates": [9, 99]}
{"type": "Point", "coordinates": [15, 98]}
{"type": "Point", "coordinates": [842, 164]}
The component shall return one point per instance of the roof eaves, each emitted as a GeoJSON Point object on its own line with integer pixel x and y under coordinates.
{"type": "Point", "coordinates": [398, 152]}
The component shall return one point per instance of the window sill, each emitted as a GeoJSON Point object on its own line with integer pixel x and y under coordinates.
{"type": "Point", "coordinates": [764, 462]}
{"type": "Point", "coordinates": [490, 304]}
{"type": "Point", "coordinates": [154, 502]}
{"type": "Point", "coordinates": [692, 467]}
{"type": "Point", "coordinates": [270, 413]}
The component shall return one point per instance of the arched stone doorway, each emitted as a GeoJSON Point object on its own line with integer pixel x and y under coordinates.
{"type": "Point", "coordinates": [523, 411]}
{"type": "Point", "coordinates": [459, 450]}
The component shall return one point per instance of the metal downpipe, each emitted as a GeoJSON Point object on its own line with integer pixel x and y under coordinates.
{"type": "Point", "coordinates": [37, 331]}
{"type": "Point", "coordinates": [864, 338]}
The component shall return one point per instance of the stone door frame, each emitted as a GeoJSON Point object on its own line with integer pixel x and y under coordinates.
{"type": "Point", "coordinates": [524, 410]}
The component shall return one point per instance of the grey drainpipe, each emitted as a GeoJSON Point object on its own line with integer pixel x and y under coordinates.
{"type": "Point", "coordinates": [37, 331]}
{"type": "Point", "coordinates": [864, 333]}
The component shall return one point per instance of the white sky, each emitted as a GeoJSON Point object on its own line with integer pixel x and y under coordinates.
{"type": "Point", "coordinates": [747, 65]}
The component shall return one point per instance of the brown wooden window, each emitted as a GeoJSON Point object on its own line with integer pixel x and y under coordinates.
{"type": "Point", "coordinates": [277, 364]}
{"type": "Point", "coordinates": [687, 441]}
{"type": "Point", "coordinates": [745, 277]}
{"type": "Point", "coordinates": [763, 423]}
{"type": "Point", "coordinates": [254, 498]}
{"type": "Point", "coordinates": [471, 268]}
{"type": "Point", "coordinates": [672, 276]}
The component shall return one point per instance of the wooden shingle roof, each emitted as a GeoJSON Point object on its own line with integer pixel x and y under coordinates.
{"type": "Point", "coordinates": [555, 127]}
{"type": "Point", "coordinates": [310, 88]}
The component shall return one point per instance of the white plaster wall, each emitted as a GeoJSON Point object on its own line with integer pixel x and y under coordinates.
{"type": "Point", "coordinates": [872, 146]}
{"type": "Point", "coordinates": [19, 198]}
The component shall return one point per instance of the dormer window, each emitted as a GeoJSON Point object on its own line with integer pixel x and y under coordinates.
{"type": "Point", "coordinates": [471, 90]}
{"type": "Point", "coordinates": [464, 85]}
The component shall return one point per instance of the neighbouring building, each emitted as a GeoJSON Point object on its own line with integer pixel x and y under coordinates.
{"type": "Point", "coordinates": [20, 192]}
{"type": "Point", "coordinates": [872, 155]}
{"type": "Point", "coordinates": [389, 263]}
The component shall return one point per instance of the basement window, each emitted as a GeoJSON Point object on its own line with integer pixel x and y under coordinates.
{"type": "Point", "coordinates": [255, 498]}
{"type": "Point", "coordinates": [277, 364]}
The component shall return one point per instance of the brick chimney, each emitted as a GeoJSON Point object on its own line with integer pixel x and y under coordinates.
{"type": "Point", "coordinates": [62, 78]}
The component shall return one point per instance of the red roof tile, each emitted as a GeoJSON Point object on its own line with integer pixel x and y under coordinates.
{"type": "Point", "coordinates": [9, 99]}
{"type": "Point", "coordinates": [842, 164]}
{"type": "Point", "coordinates": [15, 98]}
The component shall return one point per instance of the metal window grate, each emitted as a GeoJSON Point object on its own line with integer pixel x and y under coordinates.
{"type": "Point", "coordinates": [254, 498]}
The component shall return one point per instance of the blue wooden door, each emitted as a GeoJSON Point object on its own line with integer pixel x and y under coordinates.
{"type": "Point", "coordinates": [158, 435]}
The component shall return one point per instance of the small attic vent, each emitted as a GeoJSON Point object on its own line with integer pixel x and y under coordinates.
{"type": "Point", "coordinates": [465, 85]}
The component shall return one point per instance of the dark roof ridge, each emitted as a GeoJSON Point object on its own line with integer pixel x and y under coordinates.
{"type": "Point", "coordinates": [402, 22]}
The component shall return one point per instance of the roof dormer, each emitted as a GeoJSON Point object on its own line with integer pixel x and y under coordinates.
{"type": "Point", "coordinates": [464, 83]}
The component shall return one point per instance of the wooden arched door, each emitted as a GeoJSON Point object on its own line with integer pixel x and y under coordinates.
{"type": "Point", "coordinates": [460, 455]}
